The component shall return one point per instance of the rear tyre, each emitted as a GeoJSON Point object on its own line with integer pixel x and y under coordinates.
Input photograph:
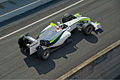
{"type": "Point", "coordinates": [21, 41]}
{"type": "Point", "coordinates": [87, 28]}
{"type": "Point", "coordinates": [44, 54]}
{"type": "Point", "coordinates": [67, 17]}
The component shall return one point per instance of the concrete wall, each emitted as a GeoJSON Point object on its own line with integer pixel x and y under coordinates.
{"type": "Point", "coordinates": [2, 1]}
{"type": "Point", "coordinates": [23, 9]}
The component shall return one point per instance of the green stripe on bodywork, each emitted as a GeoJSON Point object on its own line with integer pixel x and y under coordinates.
{"type": "Point", "coordinates": [77, 15]}
{"type": "Point", "coordinates": [55, 38]}
{"type": "Point", "coordinates": [97, 23]}
{"type": "Point", "coordinates": [41, 34]}
{"type": "Point", "coordinates": [84, 19]}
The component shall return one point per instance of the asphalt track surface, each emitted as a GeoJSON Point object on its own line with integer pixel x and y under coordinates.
{"type": "Point", "coordinates": [15, 65]}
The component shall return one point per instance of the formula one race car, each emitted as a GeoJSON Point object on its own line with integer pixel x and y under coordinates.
{"type": "Point", "coordinates": [55, 35]}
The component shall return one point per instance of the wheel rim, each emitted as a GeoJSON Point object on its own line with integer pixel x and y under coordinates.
{"type": "Point", "coordinates": [45, 54]}
{"type": "Point", "coordinates": [89, 30]}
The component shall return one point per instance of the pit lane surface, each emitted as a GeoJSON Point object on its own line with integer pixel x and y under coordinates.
{"type": "Point", "coordinates": [13, 64]}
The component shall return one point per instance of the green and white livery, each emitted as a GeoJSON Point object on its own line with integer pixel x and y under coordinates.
{"type": "Point", "coordinates": [55, 35]}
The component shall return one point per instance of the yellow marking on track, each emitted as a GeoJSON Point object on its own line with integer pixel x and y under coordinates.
{"type": "Point", "coordinates": [88, 61]}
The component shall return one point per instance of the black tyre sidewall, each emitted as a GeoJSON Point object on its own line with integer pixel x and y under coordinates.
{"type": "Point", "coordinates": [41, 51]}
{"type": "Point", "coordinates": [88, 29]}
{"type": "Point", "coordinates": [67, 18]}
{"type": "Point", "coordinates": [45, 54]}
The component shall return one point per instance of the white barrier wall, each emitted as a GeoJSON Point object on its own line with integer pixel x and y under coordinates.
{"type": "Point", "coordinates": [23, 9]}
{"type": "Point", "coordinates": [2, 1]}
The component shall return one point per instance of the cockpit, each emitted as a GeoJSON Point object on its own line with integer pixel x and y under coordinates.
{"type": "Point", "coordinates": [62, 26]}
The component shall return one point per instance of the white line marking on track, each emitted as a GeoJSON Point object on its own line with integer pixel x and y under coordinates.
{"type": "Point", "coordinates": [40, 20]}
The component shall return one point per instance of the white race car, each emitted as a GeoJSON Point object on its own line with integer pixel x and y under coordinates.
{"type": "Point", "coordinates": [55, 35]}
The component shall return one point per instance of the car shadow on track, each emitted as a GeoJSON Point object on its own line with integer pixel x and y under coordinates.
{"type": "Point", "coordinates": [43, 67]}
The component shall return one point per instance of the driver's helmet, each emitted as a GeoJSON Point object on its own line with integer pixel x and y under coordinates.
{"type": "Point", "coordinates": [60, 25]}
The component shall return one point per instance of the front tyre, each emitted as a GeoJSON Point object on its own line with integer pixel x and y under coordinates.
{"type": "Point", "coordinates": [87, 28]}
{"type": "Point", "coordinates": [67, 17]}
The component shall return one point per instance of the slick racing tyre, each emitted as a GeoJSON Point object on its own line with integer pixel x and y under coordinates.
{"type": "Point", "coordinates": [67, 18]}
{"type": "Point", "coordinates": [21, 41]}
{"type": "Point", "coordinates": [44, 54]}
{"type": "Point", "coordinates": [87, 28]}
